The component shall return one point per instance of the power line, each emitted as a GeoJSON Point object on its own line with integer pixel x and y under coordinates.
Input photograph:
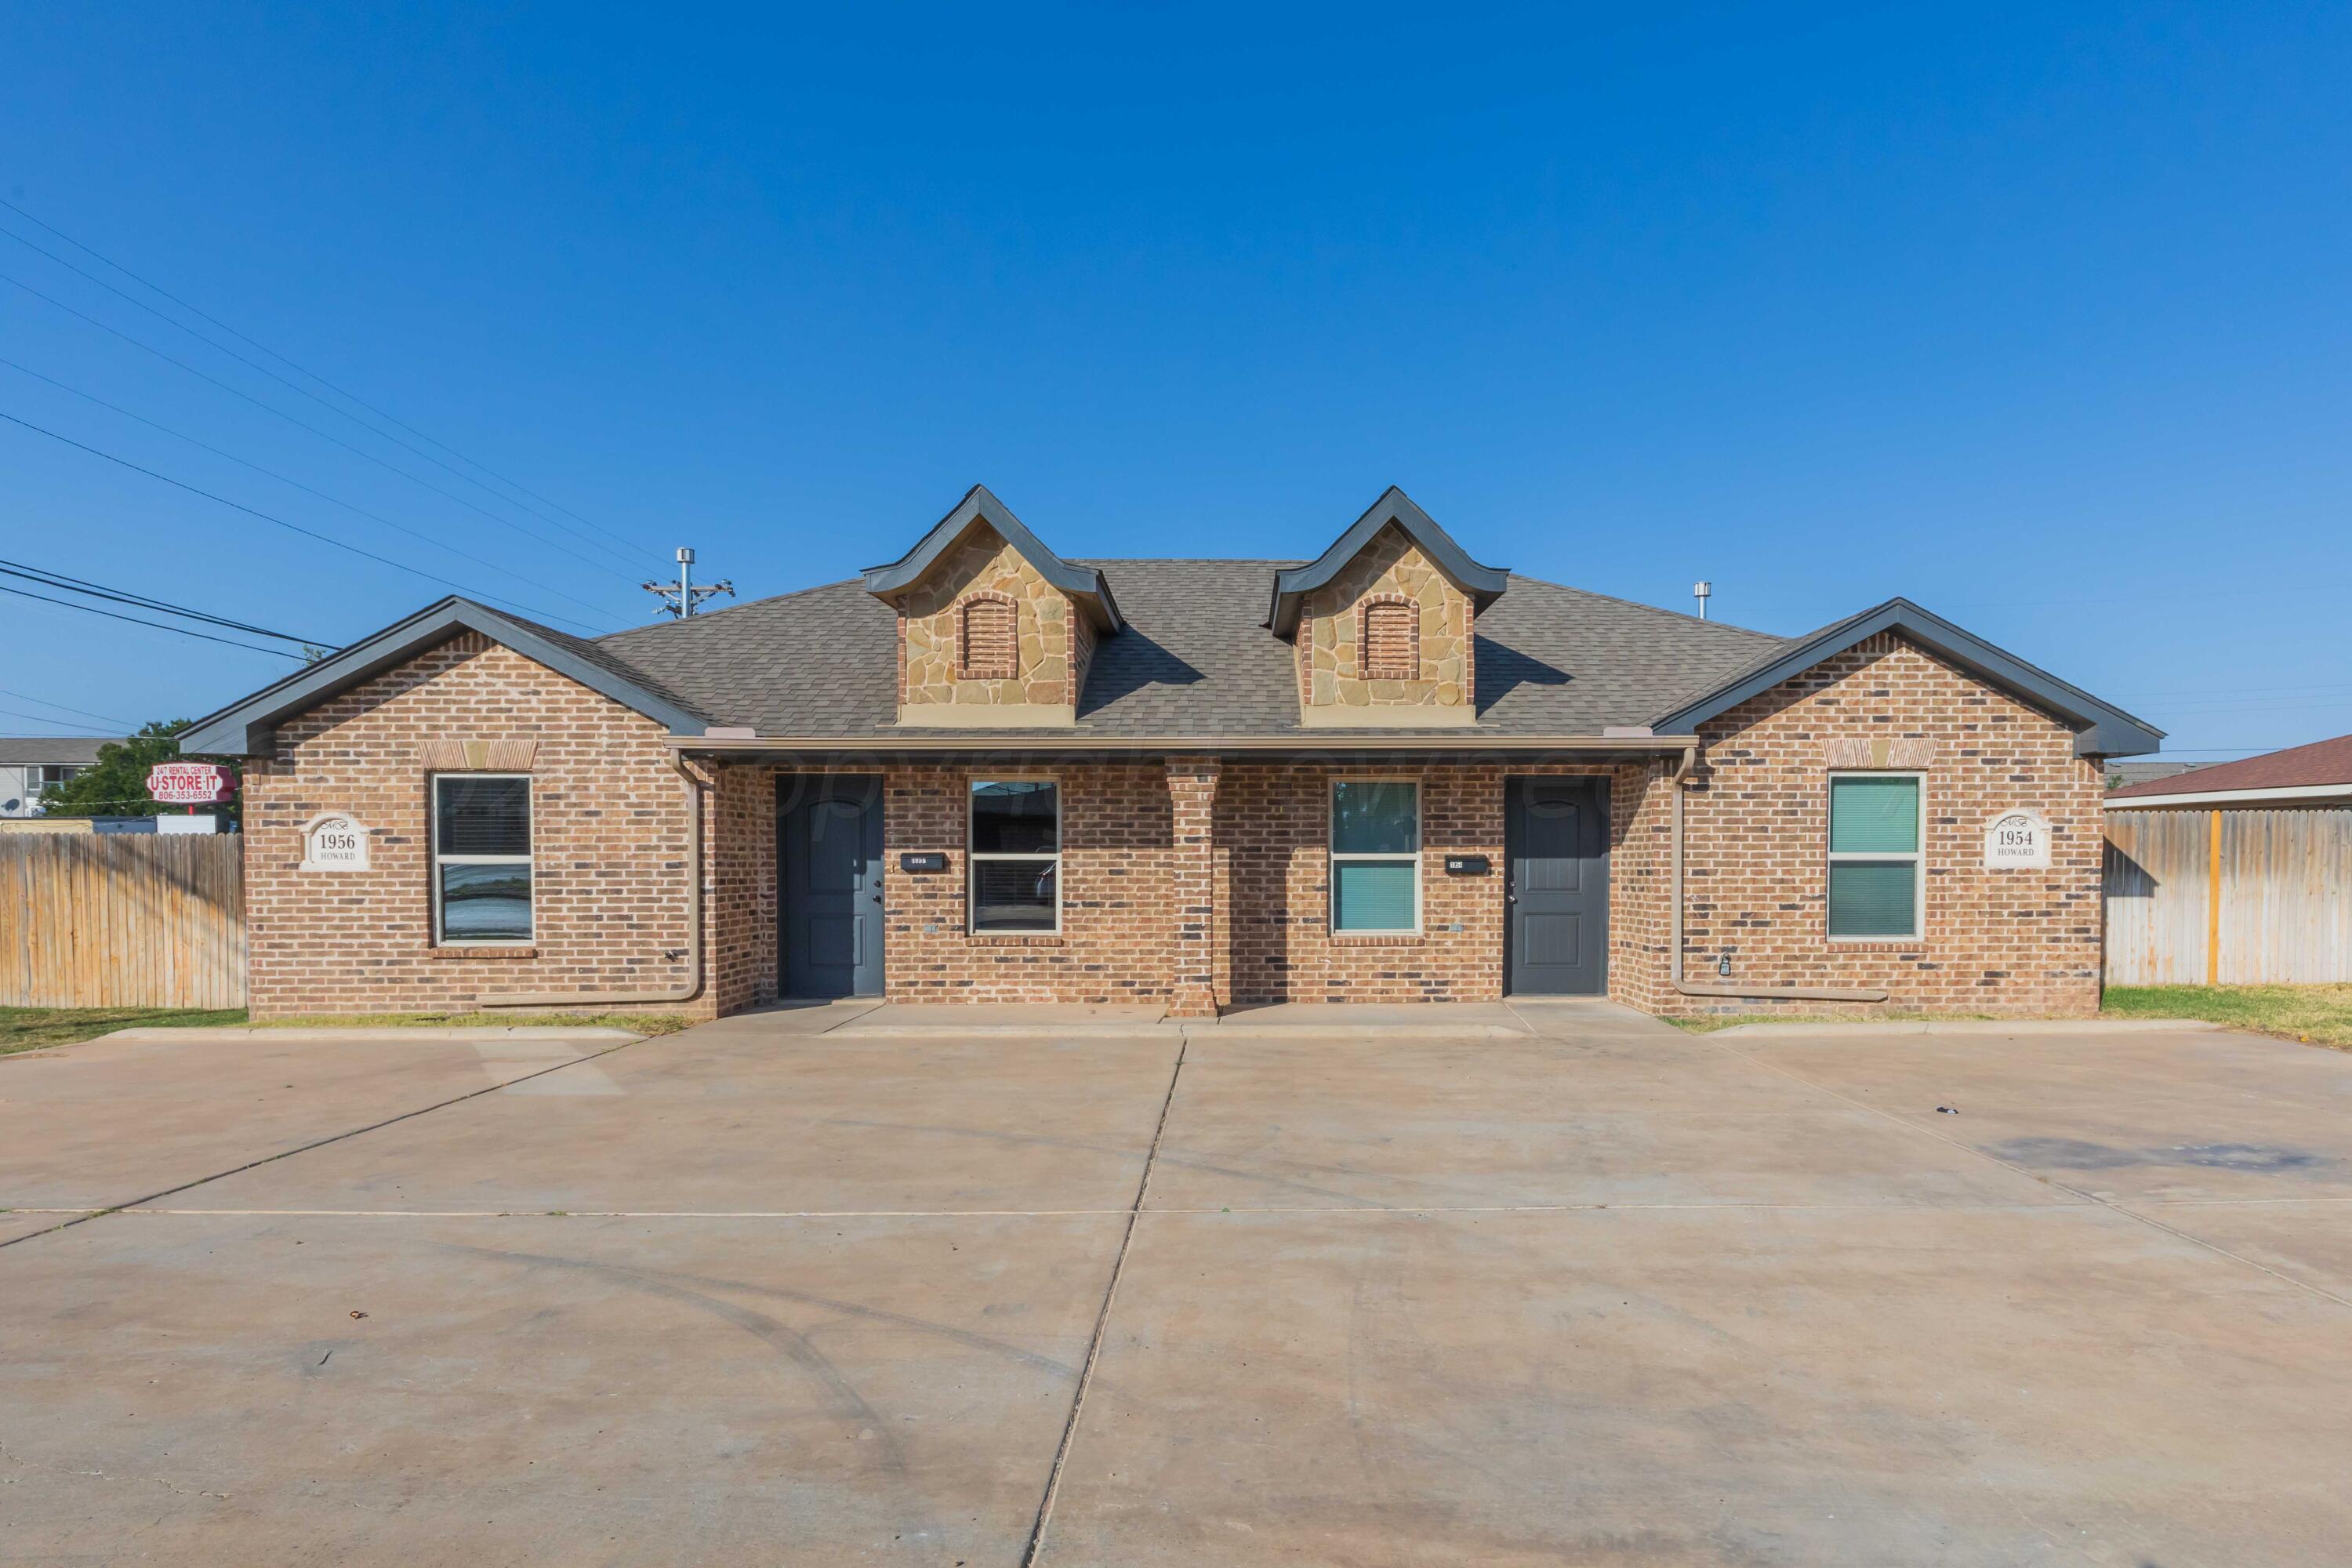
{"type": "Point", "coordinates": [42, 576]}
{"type": "Point", "coordinates": [2183, 715]}
{"type": "Point", "coordinates": [235, 391]}
{"type": "Point", "coordinates": [45, 702]}
{"type": "Point", "coordinates": [282, 381]}
{"type": "Point", "coordinates": [2236, 690]}
{"type": "Point", "coordinates": [282, 479]}
{"type": "Point", "coordinates": [314, 376]}
{"type": "Point", "coordinates": [2250, 705]}
{"type": "Point", "coordinates": [281, 522]}
{"type": "Point", "coordinates": [158, 626]}
{"type": "Point", "coordinates": [38, 719]}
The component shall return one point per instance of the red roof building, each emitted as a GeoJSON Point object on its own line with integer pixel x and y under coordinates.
{"type": "Point", "coordinates": [2317, 774]}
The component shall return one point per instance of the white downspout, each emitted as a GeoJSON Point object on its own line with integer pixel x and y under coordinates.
{"type": "Point", "coordinates": [687, 990]}
{"type": "Point", "coordinates": [1680, 780]}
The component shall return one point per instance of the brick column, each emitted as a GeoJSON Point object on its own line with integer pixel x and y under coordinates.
{"type": "Point", "coordinates": [1192, 888]}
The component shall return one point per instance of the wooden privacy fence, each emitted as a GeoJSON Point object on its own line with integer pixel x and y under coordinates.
{"type": "Point", "coordinates": [2229, 897]}
{"type": "Point", "coordinates": [122, 921]}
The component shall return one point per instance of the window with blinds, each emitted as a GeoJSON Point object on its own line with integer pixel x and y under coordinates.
{"type": "Point", "coordinates": [1391, 640]}
{"type": "Point", "coordinates": [481, 859]}
{"type": "Point", "coordinates": [1876, 883]}
{"type": "Point", "coordinates": [1015, 851]}
{"type": "Point", "coordinates": [992, 640]}
{"type": "Point", "coordinates": [1375, 857]}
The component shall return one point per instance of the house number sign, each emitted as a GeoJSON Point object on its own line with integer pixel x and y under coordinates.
{"type": "Point", "coordinates": [2017, 841]}
{"type": "Point", "coordinates": [335, 843]}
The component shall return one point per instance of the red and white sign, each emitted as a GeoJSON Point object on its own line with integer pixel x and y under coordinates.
{"type": "Point", "coordinates": [190, 783]}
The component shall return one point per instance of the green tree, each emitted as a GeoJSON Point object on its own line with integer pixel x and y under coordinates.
{"type": "Point", "coordinates": [116, 785]}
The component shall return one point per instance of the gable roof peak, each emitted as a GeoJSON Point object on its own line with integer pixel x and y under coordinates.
{"type": "Point", "coordinates": [1086, 585]}
{"type": "Point", "coordinates": [1485, 584]}
{"type": "Point", "coordinates": [245, 728]}
{"type": "Point", "coordinates": [2101, 728]}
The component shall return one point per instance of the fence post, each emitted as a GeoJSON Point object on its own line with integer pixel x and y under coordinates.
{"type": "Point", "coordinates": [2213, 903]}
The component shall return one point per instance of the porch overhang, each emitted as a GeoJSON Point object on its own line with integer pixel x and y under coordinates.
{"type": "Point", "coordinates": [1323, 746]}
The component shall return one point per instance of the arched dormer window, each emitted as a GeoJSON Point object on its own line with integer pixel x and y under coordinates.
{"type": "Point", "coordinates": [1389, 644]}
{"type": "Point", "coordinates": [990, 637]}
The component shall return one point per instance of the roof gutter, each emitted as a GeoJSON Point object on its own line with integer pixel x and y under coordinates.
{"type": "Point", "coordinates": [687, 990]}
{"type": "Point", "coordinates": [1680, 780]}
{"type": "Point", "coordinates": [721, 744]}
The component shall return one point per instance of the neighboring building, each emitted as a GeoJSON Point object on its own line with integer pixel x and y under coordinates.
{"type": "Point", "coordinates": [984, 773]}
{"type": "Point", "coordinates": [2122, 774]}
{"type": "Point", "coordinates": [2319, 774]}
{"type": "Point", "coordinates": [30, 764]}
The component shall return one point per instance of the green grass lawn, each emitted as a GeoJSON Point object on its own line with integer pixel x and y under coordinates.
{"type": "Point", "coordinates": [2317, 1014]}
{"type": "Point", "coordinates": [2321, 1015]}
{"type": "Point", "coordinates": [30, 1028]}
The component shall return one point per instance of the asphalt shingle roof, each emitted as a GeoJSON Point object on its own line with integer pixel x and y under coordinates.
{"type": "Point", "coordinates": [1194, 659]}
{"type": "Point", "coordinates": [2317, 766]}
{"type": "Point", "coordinates": [18, 751]}
{"type": "Point", "coordinates": [600, 652]}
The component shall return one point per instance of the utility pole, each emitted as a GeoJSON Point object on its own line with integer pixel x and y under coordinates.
{"type": "Point", "coordinates": [686, 599]}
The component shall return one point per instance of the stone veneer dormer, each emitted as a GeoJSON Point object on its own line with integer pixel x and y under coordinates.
{"type": "Point", "coordinates": [1384, 625]}
{"type": "Point", "coordinates": [994, 630]}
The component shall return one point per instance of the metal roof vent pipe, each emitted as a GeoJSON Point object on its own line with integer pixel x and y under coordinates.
{"type": "Point", "coordinates": [1702, 591]}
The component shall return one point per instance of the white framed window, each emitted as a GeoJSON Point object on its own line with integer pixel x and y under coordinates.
{"type": "Point", "coordinates": [41, 775]}
{"type": "Point", "coordinates": [1013, 842]}
{"type": "Point", "coordinates": [481, 860]}
{"type": "Point", "coordinates": [1375, 857]}
{"type": "Point", "coordinates": [1877, 873]}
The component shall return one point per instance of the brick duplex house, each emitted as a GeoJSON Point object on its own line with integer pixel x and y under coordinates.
{"type": "Point", "coordinates": [984, 773]}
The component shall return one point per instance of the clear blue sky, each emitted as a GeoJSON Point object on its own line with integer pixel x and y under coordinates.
{"type": "Point", "coordinates": [2039, 315]}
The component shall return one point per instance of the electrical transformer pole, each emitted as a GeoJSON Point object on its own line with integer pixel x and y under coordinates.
{"type": "Point", "coordinates": [686, 599]}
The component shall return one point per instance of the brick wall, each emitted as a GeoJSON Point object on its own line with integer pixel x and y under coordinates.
{"type": "Point", "coordinates": [609, 830]}
{"type": "Point", "coordinates": [1995, 941]}
{"type": "Point", "coordinates": [1116, 924]}
{"type": "Point", "coordinates": [1640, 881]}
{"type": "Point", "coordinates": [1274, 901]}
{"type": "Point", "coordinates": [1191, 888]}
{"type": "Point", "coordinates": [1130, 889]}
{"type": "Point", "coordinates": [742, 911]}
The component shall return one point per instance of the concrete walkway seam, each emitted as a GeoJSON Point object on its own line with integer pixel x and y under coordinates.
{"type": "Point", "coordinates": [311, 1033]}
{"type": "Point", "coordinates": [1382, 1210]}
{"type": "Point", "coordinates": [1102, 1318]}
{"type": "Point", "coordinates": [1833, 1028]}
{"type": "Point", "coordinates": [90, 1214]}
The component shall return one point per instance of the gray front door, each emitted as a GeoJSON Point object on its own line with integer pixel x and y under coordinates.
{"type": "Point", "coordinates": [1556, 838]}
{"type": "Point", "coordinates": [829, 847]}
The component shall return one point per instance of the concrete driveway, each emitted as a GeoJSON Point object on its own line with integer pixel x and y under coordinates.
{"type": "Point", "coordinates": [1549, 1285]}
